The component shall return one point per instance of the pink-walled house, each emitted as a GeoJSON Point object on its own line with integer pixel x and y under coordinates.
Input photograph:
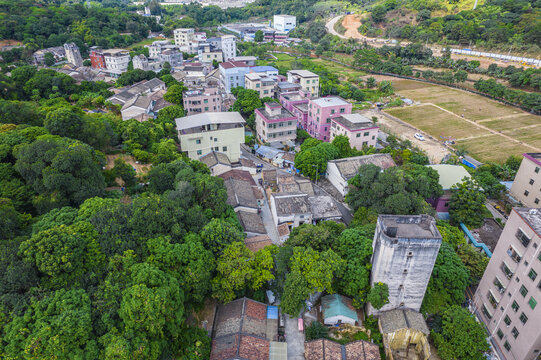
{"type": "Point", "coordinates": [275, 123]}
{"type": "Point", "coordinates": [360, 130]}
{"type": "Point", "coordinates": [321, 111]}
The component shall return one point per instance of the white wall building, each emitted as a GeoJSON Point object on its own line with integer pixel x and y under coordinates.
{"type": "Point", "coordinates": [116, 60]}
{"type": "Point", "coordinates": [73, 55]}
{"type": "Point", "coordinates": [140, 62]}
{"type": "Point", "coordinates": [183, 37]}
{"type": "Point", "coordinates": [285, 23]}
{"type": "Point", "coordinates": [229, 47]}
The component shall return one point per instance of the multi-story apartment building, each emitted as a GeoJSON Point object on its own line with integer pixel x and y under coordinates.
{"type": "Point", "coordinates": [527, 185]}
{"type": "Point", "coordinates": [208, 54]}
{"type": "Point", "coordinates": [213, 131]}
{"type": "Point", "coordinates": [297, 104]}
{"type": "Point", "coordinates": [275, 123]}
{"type": "Point", "coordinates": [229, 47]}
{"type": "Point", "coordinates": [200, 36]}
{"type": "Point", "coordinates": [360, 130]}
{"type": "Point", "coordinates": [265, 69]}
{"type": "Point", "coordinates": [405, 250]}
{"type": "Point", "coordinates": [321, 111]}
{"type": "Point", "coordinates": [285, 23]}
{"type": "Point", "coordinates": [507, 297]}
{"type": "Point", "coordinates": [261, 83]}
{"type": "Point", "coordinates": [97, 59]}
{"type": "Point", "coordinates": [73, 55]}
{"type": "Point", "coordinates": [116, 60]}
{"type": "Point", "coordinates": [140, 62]}
{"type": "Point", "coordinates": [157, 47]}
{"type": "Point", "coordinates": [202, 99]}
{"type": "Point", "coordinates": [172, 56]}
{"type": "Point", "coordinates": [308, 81]}
{"type": "Point", "coordinates": [183, 37]}
{"type": "Point", "coordinates": [232, 74]}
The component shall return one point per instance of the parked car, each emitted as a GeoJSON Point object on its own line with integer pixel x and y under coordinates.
{"type": "Point", "coordinates": [419, 137]}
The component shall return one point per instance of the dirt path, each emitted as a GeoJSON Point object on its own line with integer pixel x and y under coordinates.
{"type": "Point", "coordinates": [434, 149]}
{"type": "Point", "coordinates": [494, 132]}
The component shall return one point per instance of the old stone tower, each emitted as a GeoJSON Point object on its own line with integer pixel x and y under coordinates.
{"type": "Point", "coordinates": [405, 250]}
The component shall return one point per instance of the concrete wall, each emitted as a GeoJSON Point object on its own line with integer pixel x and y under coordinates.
{"type": "Point", "coordinates": [529, 338]}
{"type": "Point", "coordinates": [334, 177]}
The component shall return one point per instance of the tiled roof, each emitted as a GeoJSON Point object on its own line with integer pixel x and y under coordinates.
{"type": "Point", "coordinates": [291, 203]}
{"type": "Point", "coordinates": [214, 158]}
{"type": "Point", "coordinates": [283, 230]}
{"type": "Point", "coordinates": [336, 305]}
{"type": "Point", "coordinates": [251, 222]}
{"type": "Point", "coordinates": [237, 194]}
{"type": "Point", "coordinates": [238, 175]}
{"type": "Point", "coordinates": [233, 64]}
{"type": "Point", "coordinates": [240, 331]}
{"type": "Point", "coordinates": [257, 243]}
{"type": "Point", "coordinates": [398, 319]}
{"type": "Point", "coordinates": [323, 349]}
{"type": "Point", "coordinates": [349, 167]}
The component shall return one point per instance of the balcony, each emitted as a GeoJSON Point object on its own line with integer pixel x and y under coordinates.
{"type": "Point", "coordinates": [514, 254]}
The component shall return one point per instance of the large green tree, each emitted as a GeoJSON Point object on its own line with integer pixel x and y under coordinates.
{"type": "Point", "coordinates": [467, 204]}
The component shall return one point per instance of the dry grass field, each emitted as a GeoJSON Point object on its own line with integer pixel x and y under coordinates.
{"type": "Point", "coordinates": [488, 130]}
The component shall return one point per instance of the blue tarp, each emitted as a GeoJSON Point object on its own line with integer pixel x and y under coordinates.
{"type": "Point", "coordinates": [272, 312]}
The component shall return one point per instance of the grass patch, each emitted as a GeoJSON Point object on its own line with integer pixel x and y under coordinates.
{"type": "Point", "coordinates": [492, 148]}
{"type": "Point", "coordinates": [436, 122]}
{"type": "Point", "coordinates": [343, 72]}
{"type": "Point", "coordinates": [512, 123]}
{"type": "Point", "coordinates": [528, 135]}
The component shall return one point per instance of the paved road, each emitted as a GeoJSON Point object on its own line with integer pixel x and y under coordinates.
{"type": "Point", "coordinates": [330, 26]}
{"type": "Point", "coordinates": [268, 221]}
{"type": "Point", "coordinates": [495, 213]}
{"type": "Point", "coordinates": [294, 339]}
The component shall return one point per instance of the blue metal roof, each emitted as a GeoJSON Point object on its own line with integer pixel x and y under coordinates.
{"type": "Point", "coordinates": [334, 305]}
{"type": "Point", "coordinates": [267, 152]}
{"type": "Point", "coordinates": [272, 312]}
{"type": "Point", "coordinates": [259, 69]}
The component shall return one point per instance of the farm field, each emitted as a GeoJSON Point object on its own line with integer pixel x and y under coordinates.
{"type": "Point", "coordinates": [486, 129]}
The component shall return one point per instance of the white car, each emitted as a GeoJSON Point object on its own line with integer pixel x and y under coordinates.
{"type": "Point", "coordinates": [419, 137]}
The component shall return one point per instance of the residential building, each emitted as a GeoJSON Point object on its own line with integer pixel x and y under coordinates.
{"type": "Point", "coordinates": [172, 56]}
{"type": "Point", "coordinates": [297, 104]}
{"type": "Point", "coordinates": [507, 297]}
{"type": "Point", "coordinates": [245, 329]}
{"type": "Point", "coordinates": [405, 334]}
{"type": "Point", "coordinates": [240, 196]}
{"type": "Point", "coordinates": [253, 227]}
{"type": "Point", "coordinates": [250, 60]}
{"type": "Point", "coordinates": [275, 123]}
{"type": "Point", "coordinates": [209, 56]}
{"type": "Point", "coordinates": [202, 99]}
{"type": "Point", "coordinates": [324, 349]}
{"type": "Point", "coordinates": [97, 59]}
{"type": "Point", "coordinates": [405, 250]}
{"type": "Point", "coordinates": [340, 171]}
{"type": "Point", "coordinates": [157, 47]}
{"type": "Point", "coordinates": [337, 309]}
{"type": "Point", "coordinates": [212, 131]}
{"type": "Point", "coordinates": [140, 62]}
{"type": "Point", "coordinates": [141, 88]}
{"type": "Point", "coordinates": [58, 53]}
{"type": "Point", "coordinates": [116, 61]}
{"type": "Point", "coordinates": [450, 175]}
{"type": "Point", "coordinates": [261, 83]}
{"type": "Point", "coordinates": [228, 47]}
{"type": "Point", "coordinates": [308, 81]}
{"type": "Point", "coordinates": [217, 162]}
{"type": "Point", "coordinates": [73, 55]}
{"type": "Point", "coordinates": [284, 23]}
{"type": "Point", "coordinates": [360, 130]}
{"type": "Point", "coordinates": [286, 87]}
{"type": "Point", "coordinates": [200, 36]}
{"type": "Point", "coordinates": [527, 185]}
{"type": "Point", "coordinates": [143, 107]}
{"type": "Point", "coordinates": [232, 74]}
{"type": "Point", "coordinates": [324, 208]}
{"type": "Point", "coordinates": [321, 111]}
{"type": "Point", "coordinates": [256, 243]}
{"type": "Point", "coordinates": [292, 209]}
{"type": "Point", "coordinates": [183, 37]}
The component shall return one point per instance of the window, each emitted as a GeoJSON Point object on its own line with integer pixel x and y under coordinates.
{"type": "Point", "coordinates": [206, 101]}
{"type": "Point", "coordinates": [507, 346]}
{"type": "Point", "coordinates": [515, 306]}
{"type": "Point", "coordinates": [507, 320]}
{"type": "Point", "coordinates": [532, 274]}
{"type": "Point", "coordinates": [206, 108]}
{"type": "Point", "coordinates": [216, 148]}
{"type": "Point", "coordinates": [537, 169]}
{"type": "Point", "coordinates": [523, 318]}
{"type": "Point", "coordinates": [198, 141]}
{"type": "Point", "coordinates": [366, 133]}
{"type": "Point", "coordinates": [499, 285]}
{"type": "Point", "coordinates": [523, 291]}
{"type": "Point", "coordinates": [342, 110]}
{"type": "Point", "coordinates": [332, 111]}
{"type": "Point", "coordinates": [514, 332]}
{"type": "Point", "coordinates": [492, 300]}
{"type": "Point", "coordinates": [359, 135]}
{"type": "Point", "coordinates": [531, 181]}
{"type": "Point", "coordinates": [199, 152]}
{"type": "Point", "coordinates": [224, 148]}
{"type": "Point", "coordinates": [523, 238]}
{"type": "Point", "coordinates": [536, 201]}
{"type": "Point", "coordinates": [532, 302]}
{"type": "Point", "coordinates": [514, 254]}
{"type": "Point", "coordinates": [500, 333]}
{"type": "Point", "coordinates": [526, 193]}
{"type": "Point", "coordinates": [215, 139]}
{"type": "Point", "coordinates": [486, 312]}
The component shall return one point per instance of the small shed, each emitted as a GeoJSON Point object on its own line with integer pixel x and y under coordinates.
{"type": "Point", "coordinates": [405, 334]}
{"type": "Point", "coordinates": [338, 309]}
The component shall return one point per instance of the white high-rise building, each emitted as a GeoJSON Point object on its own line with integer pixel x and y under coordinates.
{"type": "Point", "coordinates": [73, 54]}
{"type": "Point", "coordinates": [183, 37]}
{"type": "Point", "coordinates": [285, 23]}
{"type": "Point", "coordinates": [229, 47]}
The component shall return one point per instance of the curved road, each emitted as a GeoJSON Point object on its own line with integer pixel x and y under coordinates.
{"type": "Point", "coordinates": [330, 26]}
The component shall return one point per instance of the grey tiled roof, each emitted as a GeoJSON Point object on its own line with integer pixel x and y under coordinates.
{"type": "Point", "coordinates": [398, 319]}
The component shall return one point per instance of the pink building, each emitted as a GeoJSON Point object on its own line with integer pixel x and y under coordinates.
{"type": "Point", "coordinates": [321, 111]}
{"type": "Point", "coordinates": [297, 103]}
{"type": "Point", "coordinates": [206, 99]}
{"type": "Point", "coordinates": [360, 130]}
{"type": "Point", "coordinates": [275, 123]}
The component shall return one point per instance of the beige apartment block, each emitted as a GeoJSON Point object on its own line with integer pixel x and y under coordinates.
{"type": "Point", "coordinates": [308, 81]}
{"type": "Point", "coordinates": [527, 185]}
{"type": "Point", "coordinates": [212, 131]}
{"type": "Point", "coordinates": [261, 83]}
{"type": "Point", "coordinates": [509, 292]}
{"type": "Point", "coordinates": [183, 37]}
